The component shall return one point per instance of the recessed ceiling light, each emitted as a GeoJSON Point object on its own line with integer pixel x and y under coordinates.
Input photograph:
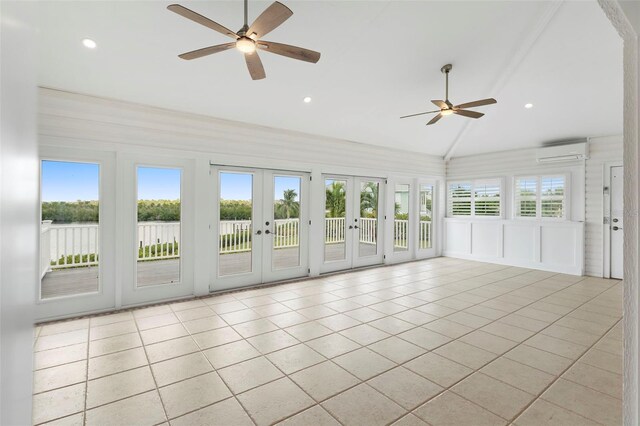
{"type": "Point", "coordinates": [528, 106]}
{"type": "Point", "coordinates": [89, 44]}
{"type": "Point", "coordinates": [307, 99]}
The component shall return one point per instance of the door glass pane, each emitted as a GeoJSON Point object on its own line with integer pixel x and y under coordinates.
{"type": "Point", "coordinates": [286, 226]}
{"type": "Point", "coordinates": [70, 229]}
{"type": "Point", "coordinates": [426, 213]}
{"type": "Point", "coordinates": [368, 235]}
{"type": "Point", "coordinates": [401, 219]}
{"type": "Point", "coordinates": [236, 213]}
{"type": "Point", "coordinates": [335, 219]}
{"type": "Point", "coordinates": [158, 228]}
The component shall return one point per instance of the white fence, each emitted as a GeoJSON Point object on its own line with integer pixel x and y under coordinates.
{"type": "Point", "coordinates": [66, 246]}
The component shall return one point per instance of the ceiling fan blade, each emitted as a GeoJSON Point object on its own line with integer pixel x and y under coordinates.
{"type": "Point", "coordinates": [255, 66]}
{"type": "Point", "coordinates": [194, 54]}
{"type": "Point", "coordinates": [440, 104]}
{"type": "Point", "coordinates": [420, 113]}
{"type": "Point", "coordinates": [289, 51]}
{"type": "Point", "coordinates": [467, 113]}
{"type": "Point", "coordinates": [270, 19]}
{"type": "Point", "coordinates": [202, 20]}
{"type": "Point", "coordinates": [435, 119]}
{"type": "Point", "coordinates": [482, 102]}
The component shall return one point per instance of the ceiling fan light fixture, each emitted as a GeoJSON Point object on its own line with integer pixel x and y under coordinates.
{"type": "Point", "coordinates": [528, 106]}
{"type": "Point", "coordinates": [446, 112]}
{"type": "Point", "coordinates": [246, 45]}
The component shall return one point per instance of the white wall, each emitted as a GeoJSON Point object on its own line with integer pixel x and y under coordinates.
{"type": "Point", "coordinates": [602, 151]}
{"type": "Point", "coordinates": [18, 210]}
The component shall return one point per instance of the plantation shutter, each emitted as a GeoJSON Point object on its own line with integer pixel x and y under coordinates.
{"type": "Point", "coordinates": [552, 192]}
{"type": "Point", "coordinates": [526, 194]}
{"type": "Point", "coordinates": [487, 198]}
{"type": "Point", "coordinates": [459, 199]}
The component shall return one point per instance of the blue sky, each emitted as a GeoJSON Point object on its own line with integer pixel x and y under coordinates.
{"type": "Point", "coordinates": [237, 186]}
{"type": "Point", "coordinates": [64, 181]}
{"type": "Point", "coordinates": [158, 183]}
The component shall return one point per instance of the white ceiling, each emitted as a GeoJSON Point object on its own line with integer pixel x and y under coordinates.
{"type": "Point", "coordinates": [380, 60]}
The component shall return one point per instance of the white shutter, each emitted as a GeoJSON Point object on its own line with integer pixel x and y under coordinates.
{"type": "Point", "coordinates": [459, 199]}
{"type": "Point", "coordinates": [487, 198]}
{"type": "Point", "coordinates": [552, 194]}
{"type": "Point", "coordinates": [526, 197]}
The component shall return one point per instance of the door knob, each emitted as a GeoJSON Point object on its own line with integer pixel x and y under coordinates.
{"type": "Point", "coordinates": [350, 227]}
{"type": "Point", "coordinates": [615, 220]}
{"type": "Point", "coordinates": [267, 232]}
{"type": "Point", "coordinates": [615, 228]}
{"type": "Point", "coordinates": [356, 226]}
{"type": "Point", "coordinates": [258, 232]}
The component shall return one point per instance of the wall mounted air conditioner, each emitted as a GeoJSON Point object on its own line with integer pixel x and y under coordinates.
{"type": "Point", "coordinates": [562, 153]}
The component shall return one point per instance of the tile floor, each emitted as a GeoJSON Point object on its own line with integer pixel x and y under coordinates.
{"type": "Point", "coordinates": [439, 342]}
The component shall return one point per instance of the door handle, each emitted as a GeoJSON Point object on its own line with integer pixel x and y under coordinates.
{"type": "Point", "coordinates": [258, 232]}
{"type": "Point", "coordinates": [356, 226]}
{"type": "Point", "coordinates": [350, 227]}
{"type": "Point", "coordinates": [267, 232]}
{"type": "Point", "coordinates": [615, 228]}
{"type": "Point", "coordinates": [615, 220]}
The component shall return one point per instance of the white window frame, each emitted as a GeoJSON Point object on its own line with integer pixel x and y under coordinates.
{"type": "Point", "coordinates": [474, 183]}
{"type": "Point", "coordinates": [566, 200]}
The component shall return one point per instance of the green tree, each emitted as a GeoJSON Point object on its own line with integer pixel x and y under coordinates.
{"type": "Point", "coordinates": [287, 207]}
{"type": "Point", "coordinates": [369, 200]}
{"type": "Point", "coordinates": [335, 200]}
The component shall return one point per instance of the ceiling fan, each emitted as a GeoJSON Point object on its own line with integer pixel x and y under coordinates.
{"type": "Point", "coordinates": [248, 39]}
{"type": "Point", "coordinates": [447, 108]}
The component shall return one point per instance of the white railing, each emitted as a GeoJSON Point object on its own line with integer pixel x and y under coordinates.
{"type": "Point", "coordinates": [286, 233]}
{"type": "Point", "coordinates": [424, 235]}
{"type": "Point", "coordinates": [334, 230]}
{"type": "Point", "coordinates": [235, 236]}
{"type": "Point", "coordinates": [368, 230]}
{"type": "Point", "coordinates": [68, 246]}
{"type": "Point", "coordinates": [158, 240]}
{"type": "Point", "coordinates": [400, 233]}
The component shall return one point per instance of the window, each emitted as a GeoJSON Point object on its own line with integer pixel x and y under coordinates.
{"type": "Point", "coordinates": [475, 198]}
{"type": "Point", "coordinates": [540, 197]}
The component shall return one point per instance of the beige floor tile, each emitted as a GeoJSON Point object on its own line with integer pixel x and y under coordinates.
{"type": "Point", "coordinates": [448, 328]}
{"type": "Point", "coordinates": [607, 344]}
{"type": "Point", "coordinates": [187, 305]}
{"type": "Point", "coordinates": [582, 325]}
{"type": "Point", "coordinates": [450, 409]}
{"type": "Point", "coordinates": [111, 318]}
{"type": "Point", "coordinates": [465, 354]}
{"type": "Point", "coordinates": [114, 344]}
{"type": "Point", "coordinates": [324, 380]}
{"type": "Point", "coordinates": [249, 374]}
{"type": "Point", "coordinates": [388, 307]}
{"type": "Point", "coordinates": [152, 311]}
{"type": "Point", "coordinates": [521, 376]}
{"type": "Point", "coordinates": [171, 349]}
{"type": "Point", "coordinates": [363, 405]}
{"type": "Point", "coordinates": [226, 306]}
{"type": "Point", "coordinates": [116, 362]}
{"type": "Point", "coordinates": [157, 321]}
{"type": "Point", "coordinates": [536, 358]}
{"type": "Point", "coordinates": [332, 345]}
{"type": "Point", "coordinates": [204, 324]}
{"type": "Point", "coordinates": [537, 314]}
{"type": "Point", "coordinates": [253, 328]}
{"type": "Point", "coordinates": [556, 346]}
{"type": "Point", "coordinates": [118, 386]}
{"type": "Point", "coordinates": [61, 339]}
{"type": "Point", "coordinates": [110, 330]}
{"type": "Point", "coordinates": [59, 376]}
{"type": "Point", "coordinates": [468, 319]}
{"type": "Point", "coordinates": [63, 327]}
{"type": "Point", "coordinates": [364, 363]}
{"type": "Point", "coordinates": [176, 369]}
{"type": "Point", "coordinates": [424, 338]}
{"type": "Point", "coordinates": [316, 416]}
{"type": "Point", "coordinates": [295, 358]}
{"type": "Point", "coordinates": [59, 356]}
{"type": "Point", "coordinates": [489, 342]}
{"type": "Point", "coordinates": [217, 337]}
{"type": "Point", "coordinates": [144, 409]}
{"type": "Point", "coordinates": [231, 353]}
{"type": "Point", "coordinates": [405, 387]}
{"type": "Point", "coordinates": [392, 325]}
{"type": "Point", "coordinates": [287, 319]}
{"type": "Point", "coordinates": [584, 401]}
{"type": "Point", "coordinates": [570, 335]}
{"type": "Point", "coordinates": [308, 330]}
{"type": "Point", "coordinates": [223, 413]}
{"type": "Point", "coordinates": [410, 420]}
{"type": "Point", "coordinates": [415, 317]}
{"type": "Point", "coordinates": [435, 310]}
{"type": "Point", "coordinates": [396, 349]}
{"type": "Point", "coordinates": [603, 360]}
{"type": "Point", "coordinates": [365, 314]}
{"type": "Point", "coordinates": [191, 394]}
{"type": "Point", "coordinates": [497, 397]}
{"type": "Point", "coordinates": [438, 369]}
{"type": "Point", "coordinates": [543, 413]}
{"type": "Point", "coordinates": [271, 309]}
{"type": "Point", "coordinates": [238, 317]}
{"type": "Point", "coordinates": [160, 334]}
{"type": "Point", "coordinates": [595, 378]}
{"type": "Point", "coordinates": [72, 420]}
{"type": "Point", "coordinates": [58, 403]}
{"type": "Point", "coordinates": [316, 312]}
{"type": "Point", "coordinates": [364, 334]}
{"type": "Point", "coordinates": [195, 313]}
{"type": "Point", "coordinates": [530, 324]}
{"type": "Point", "coordinates": [343, 305]}
{"type": "Point", "coordinates": [273, 341]}
{"type": "Point", "coordinates": [486, 312]}
{"type": "Point", "coordinates": [274, 401]}
{"type": "Point", "coordinates": [507, 331]}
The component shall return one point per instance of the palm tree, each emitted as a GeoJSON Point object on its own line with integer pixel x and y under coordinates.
{"type": "Point", "coordinates": [288, 206]}
{"type": "Point", "coordinates": [335, 200]}
{"type": "Point", "coordinates": [369, 200]}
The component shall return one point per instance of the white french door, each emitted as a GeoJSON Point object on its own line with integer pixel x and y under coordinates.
{"type": "Point", "coordinates": [425, 219]}
{"type": "Point", "coordinates": [353, 224]}
{"type": "Point", "coordinates": [261, 226]}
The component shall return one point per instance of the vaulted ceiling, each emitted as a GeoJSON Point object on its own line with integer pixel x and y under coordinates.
{"type": "Point", "coordinates": [380, 60]}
